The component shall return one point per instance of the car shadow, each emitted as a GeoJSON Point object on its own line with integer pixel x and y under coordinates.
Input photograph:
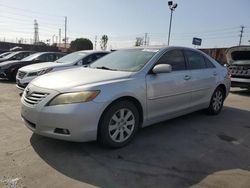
{"type": "Point", "coordinates": [175, 153]}
{"type": "Point", "coordinates": [6, 81]}
{"type": "Point", "coordinates": [242, 92]}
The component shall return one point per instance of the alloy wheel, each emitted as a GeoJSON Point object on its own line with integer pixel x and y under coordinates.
{"type": "Point", "coordinates": [121, 125]}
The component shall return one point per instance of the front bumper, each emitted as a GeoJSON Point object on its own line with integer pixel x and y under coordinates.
{"type": "Point", "coordinates": [240, 82]}
{"type": "Point", "coordinates": [80, 119]}
{"type": "Point", "coordinates": [22, 83]}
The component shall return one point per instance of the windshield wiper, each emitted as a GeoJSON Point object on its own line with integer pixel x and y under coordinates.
{"type": "Point", "coordinates": [106, 68]}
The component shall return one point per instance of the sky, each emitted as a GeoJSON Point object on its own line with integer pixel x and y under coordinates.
{"type": "Point", "coordinates": [217, 22]}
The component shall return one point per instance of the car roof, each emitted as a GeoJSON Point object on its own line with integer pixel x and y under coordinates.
{"type": "Point", "coordinates": [93, 51]}
{"type": "Point", "coordinates": [40, 53]}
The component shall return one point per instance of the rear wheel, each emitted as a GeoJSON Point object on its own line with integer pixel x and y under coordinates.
{"type": "Point", "coordinates": [216, 102]}
{"type": "Point", "coordinates": [12, 75]}
{"type": "Point", "coordinates": [119, 124]}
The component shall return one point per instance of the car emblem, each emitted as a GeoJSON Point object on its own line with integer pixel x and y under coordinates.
{"type": "Point", "coordinates": [27, 92]}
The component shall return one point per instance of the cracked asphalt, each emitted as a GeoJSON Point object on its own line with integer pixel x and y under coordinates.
{"type": "Point", "coordinates": [195, 150]}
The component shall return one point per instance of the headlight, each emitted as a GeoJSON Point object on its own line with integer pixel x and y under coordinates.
{"type": "Point", "coordinates": [33, 73]}
{"type": "Point", "coordinates": [45, 71]}
{"type": "Point", "coordinates": [69, 98]}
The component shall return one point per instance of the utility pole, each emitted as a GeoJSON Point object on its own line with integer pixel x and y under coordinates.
{"type": "Point", "coordinates": [95, 41]}
{"type": "Point", "coordinates": [65, 27]}
{"type": "Point", "coordinates": [145, 39]}
{"type": "Point", "coordinates": [172, 7]}
{"type": "Point", "coordinates": [36, 35]}
{"type": "Point", "coordinates": [59, 38]}
{"type": "Point", "coordinates": [241, 33]}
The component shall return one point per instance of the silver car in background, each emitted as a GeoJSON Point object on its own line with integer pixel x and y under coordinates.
{"type": "Point", "coordinates": [80, 58]}
{"type": "Point", "coordinates": [124, 91]}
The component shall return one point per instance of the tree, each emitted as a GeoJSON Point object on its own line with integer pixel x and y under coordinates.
{"type": "Point", "coordinates": [103, 42]}
{"type": "Point", "coordinates": [139, 41]}
{"type": "Point", "coordinates": [81, 44]}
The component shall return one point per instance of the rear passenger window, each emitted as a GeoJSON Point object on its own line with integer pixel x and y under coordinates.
{"type": "Point", "coordinates": [209, 63]}
{"type": "Point", "coordinates": [196, 60]}
{"type": "Point", "coordinates": [174, 58]}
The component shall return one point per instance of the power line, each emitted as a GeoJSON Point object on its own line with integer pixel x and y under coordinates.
{"type": "Point", "coordinates": [25, 15]}
{"type": "Point", "coordinates": [25, 20]}
{"type": "Point", "coordinates": [27, 10]}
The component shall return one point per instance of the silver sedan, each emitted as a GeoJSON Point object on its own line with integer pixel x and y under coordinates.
{"type": "Point", "coordinates": [122, 92]}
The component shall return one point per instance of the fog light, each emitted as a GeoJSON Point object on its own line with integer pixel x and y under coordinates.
{"type": "Point", "coordinates": [62, 131]}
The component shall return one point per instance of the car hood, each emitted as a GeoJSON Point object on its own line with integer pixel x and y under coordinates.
{"type": "Point", "coordinates": [41, 66]}
{"type": "Point", "coordinates": [68, 79]}
{"type": "Point", "coordinates": [8, 63]}
{"type": "Point", "coordinates": [3, 59]}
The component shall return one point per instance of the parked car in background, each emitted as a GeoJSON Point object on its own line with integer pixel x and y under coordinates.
{"type": "Point", "coordinates": [80, 58]}
{"type": "Point", "coordinates": [5, 54]}
{"type": "Point", "coordinates": [238, 58]}
{"type": "Point", "coordinates": [16, 56]}
{"type": "Point", "coordinates": [8, 69]}
{"type": "Point", "coordinates": [123, 91]}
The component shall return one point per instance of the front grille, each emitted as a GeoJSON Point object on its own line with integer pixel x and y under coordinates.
{"type": "Point", "coordinates": [239, 71]}
{"type": "Point", "coordinates": [21, 74]}
{"type": "Point", "coordinates": [34, 97]}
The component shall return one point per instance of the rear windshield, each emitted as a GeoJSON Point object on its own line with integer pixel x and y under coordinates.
{"type": "Point", "coordinates": [240, 55]}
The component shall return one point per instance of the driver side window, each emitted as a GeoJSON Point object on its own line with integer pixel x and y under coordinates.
{"type": "Point", "coordinates": [175, 58]}
{"type": "Point", "coordinates": [89, 59]}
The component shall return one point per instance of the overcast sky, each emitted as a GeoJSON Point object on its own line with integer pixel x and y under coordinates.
{"type": "Point", "coordinates": [217, 22]}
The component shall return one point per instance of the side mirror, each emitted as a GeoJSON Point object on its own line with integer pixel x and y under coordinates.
{"type": "Point", "coordinates": [162, 68]}
{"type": "Point", "coordinates": [79, 63]}
{"type": "Point", "coordinates": [36, 60]}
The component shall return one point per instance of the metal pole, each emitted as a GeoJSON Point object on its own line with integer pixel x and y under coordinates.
{"type": "Point", "coordinates": [95, 41]}
{"type": "Point", "coordinates": [65, 39]}
{"type": "Point", "coordinates": [145, 39]}
{"type": "Point", "coordinates": [241, 34]}
{"type": "Point", "coordinates": [59, 38]}
{"type": "Point", "coordinates": [170, 24]}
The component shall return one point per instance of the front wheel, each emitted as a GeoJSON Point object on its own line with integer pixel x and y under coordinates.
{"type": "Point", "coordinates": [119, 124]}
{"type": "Point", "coordinates": [216, 102]}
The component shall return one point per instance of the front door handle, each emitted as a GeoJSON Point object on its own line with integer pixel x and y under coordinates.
{"type": "Point", "coordinates": [215, 73]}
{"type": "Point", "coordinates": [187, 77]}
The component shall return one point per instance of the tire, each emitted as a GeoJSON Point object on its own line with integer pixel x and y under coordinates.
{"type": "Point", "coordinates": [216, 102]}
{"type": "Point", "coordinates": [118, 124]}
{"type": "Point", "coordinates": [12, 75]}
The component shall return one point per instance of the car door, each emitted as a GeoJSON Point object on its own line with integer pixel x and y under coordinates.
{"type": "Point", "coordinates": [203, 77]}
{"type": "Point", "coordinates": [169, 93]}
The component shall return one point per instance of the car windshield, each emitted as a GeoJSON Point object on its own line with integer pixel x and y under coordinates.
{"type": "Point", "coordinates": [10, 55]}
{"type": "Point", "coordinates": [71, 58]}
{"type": "Point", "coordinates": [131, 60]}
{"type": "Point", "coordinates": [4, 54]}
{"type": "Point", "coordinates": [31, 57]}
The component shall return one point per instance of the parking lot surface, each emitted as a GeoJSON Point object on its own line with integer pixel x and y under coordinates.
{"type": "Point", "coordinates": [193, 150]}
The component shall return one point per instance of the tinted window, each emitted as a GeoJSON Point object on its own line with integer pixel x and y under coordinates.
{"type": "Point", "coordinates": [100, 55]}
{"type": "Point", "coordinates": [209, 63]}
{"type": "Point", "coordinates": [89, 59]}
{"type": "Point", "coordinates": [57, 56]}
{"type": "Point", "coordinates": [196, 60]}
{"type": "Point", "coordinates": [174, 58]}
{"type": "Point", "coordinates": [46, 58]}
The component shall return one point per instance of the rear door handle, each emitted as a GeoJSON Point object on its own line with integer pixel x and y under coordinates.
{"type": "Point", "coordinates": [187, 77]}
{"type": "Point", "coordinates": [215, 73]}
